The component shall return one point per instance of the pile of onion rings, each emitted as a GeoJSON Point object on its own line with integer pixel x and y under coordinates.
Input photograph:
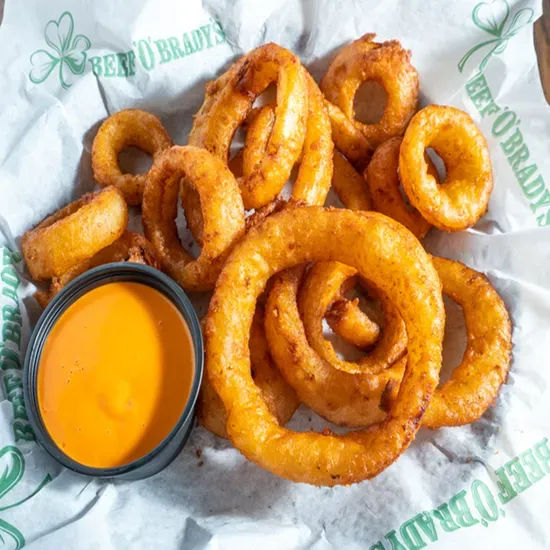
{"type": "Point", "coordinates": [285, 271]}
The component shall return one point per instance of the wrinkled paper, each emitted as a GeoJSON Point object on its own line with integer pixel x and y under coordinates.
{"type": "Point", "coordinates": [67, 66]}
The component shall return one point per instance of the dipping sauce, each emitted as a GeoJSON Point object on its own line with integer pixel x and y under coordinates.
{"type": "Point", "coordinates": [115, 374]}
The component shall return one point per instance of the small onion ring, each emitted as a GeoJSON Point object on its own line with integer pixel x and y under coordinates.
{"type": "Point", "coordinates": [346, 319]}
{"type": "Point", "coordinates": [394, 261]}
{"type": "Point", "coordinates": [386, 63]}
{"type": "Point", "coordinates": [222, 211]}
{"type": "Point", "coordinates": [74, 233]}
{"type": "Point", "coordinates": [463, 197]}
{"type": "Point", "coordinates": [317, 293]}
{"type": "Point", "coordinates": [351, 400]}
{"type": "Point", "coordinates": [383, 180]}
{"type": "Point", "coordinates": [228, 102]}
{"type": "Point", "coordinates": [280, 398]}
{"type": "Point", "coordinates": [131, 247]}
{"type": "Point", "coordinates": [127, 128]}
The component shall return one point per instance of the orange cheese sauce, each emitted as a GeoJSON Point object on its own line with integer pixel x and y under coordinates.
{"type": "Point", "coordinates": [115, 374]}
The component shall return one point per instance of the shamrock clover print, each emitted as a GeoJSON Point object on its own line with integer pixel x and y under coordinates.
{"type": "Point", "coordinates": [66, 53]}
{"type": "Point", "coordinates": [492, 17]}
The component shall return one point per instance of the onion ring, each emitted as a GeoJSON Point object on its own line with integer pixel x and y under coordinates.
{"type": "Point", "coordinates": [463, 197]}
{"type": "Point", "coordinates": [348, 139]}
{"type": "Point", "coordinates": [349, 185]}
{"type": "Point", "coordinates": [228, 102]}
{"type": "Point", "coordinates": [345, 399]}
{"type": "Point", "coordinates": [128, 128]}
{"type": "Point", "coordinates": [383, 183]}
{"type": "Point", "coordinates": [386, 63]}
{"type": "Point", "coordinates": [347, 320]}
{"type": "Point", "coordinates": [222, 211]}
{"type": "Point", "coordinates": [316, 166]}
{"type": "Point", "coordinates": [317, 293]}
{"type": "Point", "coordinates": [74, 233]}
{"type": "Point", "coordinates": [396, 264]}
{"type": "Point", "coordinates": [131, 247]}
{"type": "Point", "coordinates": [474, 384]}
{"type": "Point", "coordinates": [280, 398]}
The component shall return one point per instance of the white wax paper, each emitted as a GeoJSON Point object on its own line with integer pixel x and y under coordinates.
{"type": "Point", "coordinates": [444, 491]}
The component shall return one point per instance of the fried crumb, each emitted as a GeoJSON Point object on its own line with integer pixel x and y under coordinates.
{"type": "Point", "coordinates": [201, 464]}
{"type": "Point", "coordinates": [198, 452]}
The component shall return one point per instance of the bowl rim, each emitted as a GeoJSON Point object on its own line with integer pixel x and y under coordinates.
{"type": "Point", "coordinates": [94, 278]}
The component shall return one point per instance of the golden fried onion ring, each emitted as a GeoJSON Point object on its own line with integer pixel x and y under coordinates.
{"type": "Point", "coordinates": [317, 293]}
{"type": "Point", "coordinates": [74, 233]}
{"type": "Point", "coordinates": [127, 128]}
{"type": "Point", "coordinates": [131, 247]}
{"type": "Point", "coordinates": [383, 180]}
{"type": "Point", "coordinates": [222, 212]}
{"type": "Point", "coordinates": [474, 384]}
{"type": "Point", "coordinates": [347, 320]}
{"type": "Point", "coordinates": [463, 197]}
{"type": "Point", "coordinates": [345, 399]}
{"type": "Point", "coordinates": [228, 102]}
{"type": "Point", "coordinates": [386, 63]}
{"type": "Point", "coordinates": [349, 185]}
{"type": "Point", "coordinates": [280, 398]}
{"type": "Point", "coordinates": [397, 265]}
{"type": "Point", "coordinates": [316, 167]}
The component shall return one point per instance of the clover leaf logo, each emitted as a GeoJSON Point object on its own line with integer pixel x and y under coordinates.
{"type": "Point", "coordinates": [66, 53]}
{"type": "Point", "coordinates": [492, 17]}
{"type": "Point", "coordinates": [14, 467]}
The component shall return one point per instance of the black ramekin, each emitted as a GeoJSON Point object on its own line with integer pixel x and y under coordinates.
{"type": "Point", "coordinates": [168, 449]}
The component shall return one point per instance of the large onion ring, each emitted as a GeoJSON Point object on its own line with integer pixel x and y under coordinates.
{"type": "Point", "coordinates": [131, 247]}
{"type": "Point", "coordinates": [463, 197]}
{"type": "Point", "coordinates": [74, 233]}
{"type": "Point", "coordinates": [280, 398]}
{"type": "Point", "coordinates": [389, 65]}
{"type": "Point", "coordinates": [381, 250]}
{"type": "Point", "coordinates": [127, 128]}
{"type": "Point", "coordinates": [352, 400]}
{"type": "Point", "coordinates": [317, 293]}
{"type": "Point", "coordinates": [228, 102]}
{"type": "Point", "coordinates": [222, 212]}
{"type": "Point", "coordinates": [383, 183]}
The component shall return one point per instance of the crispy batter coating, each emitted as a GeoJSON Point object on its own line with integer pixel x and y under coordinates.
{"type": "Point", "coordinates": [131, 247]}
{"type": "Point", "coordinates": [345, 399]}
{"type": "Point", "coordinates": [74, 233]}
{"type": "Point", "coordinates": [463, 197]}
{"type": "Point", "coordinates": [280, 398]}
{"type": "Point", "coordinates": [381, 250]}
{"type": "Point", "coordinates": [221, 206]}
{"type": "Point", "coordinates": [127, 128]}
{"type": "Point", "coordinates": [389, 65]}
{"type": "Point", "coordinates": [382, 177]}
{"type": "Point", "coordinates": [317, 293]}
{"type": "Point", "coordinates": [228, 102]}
